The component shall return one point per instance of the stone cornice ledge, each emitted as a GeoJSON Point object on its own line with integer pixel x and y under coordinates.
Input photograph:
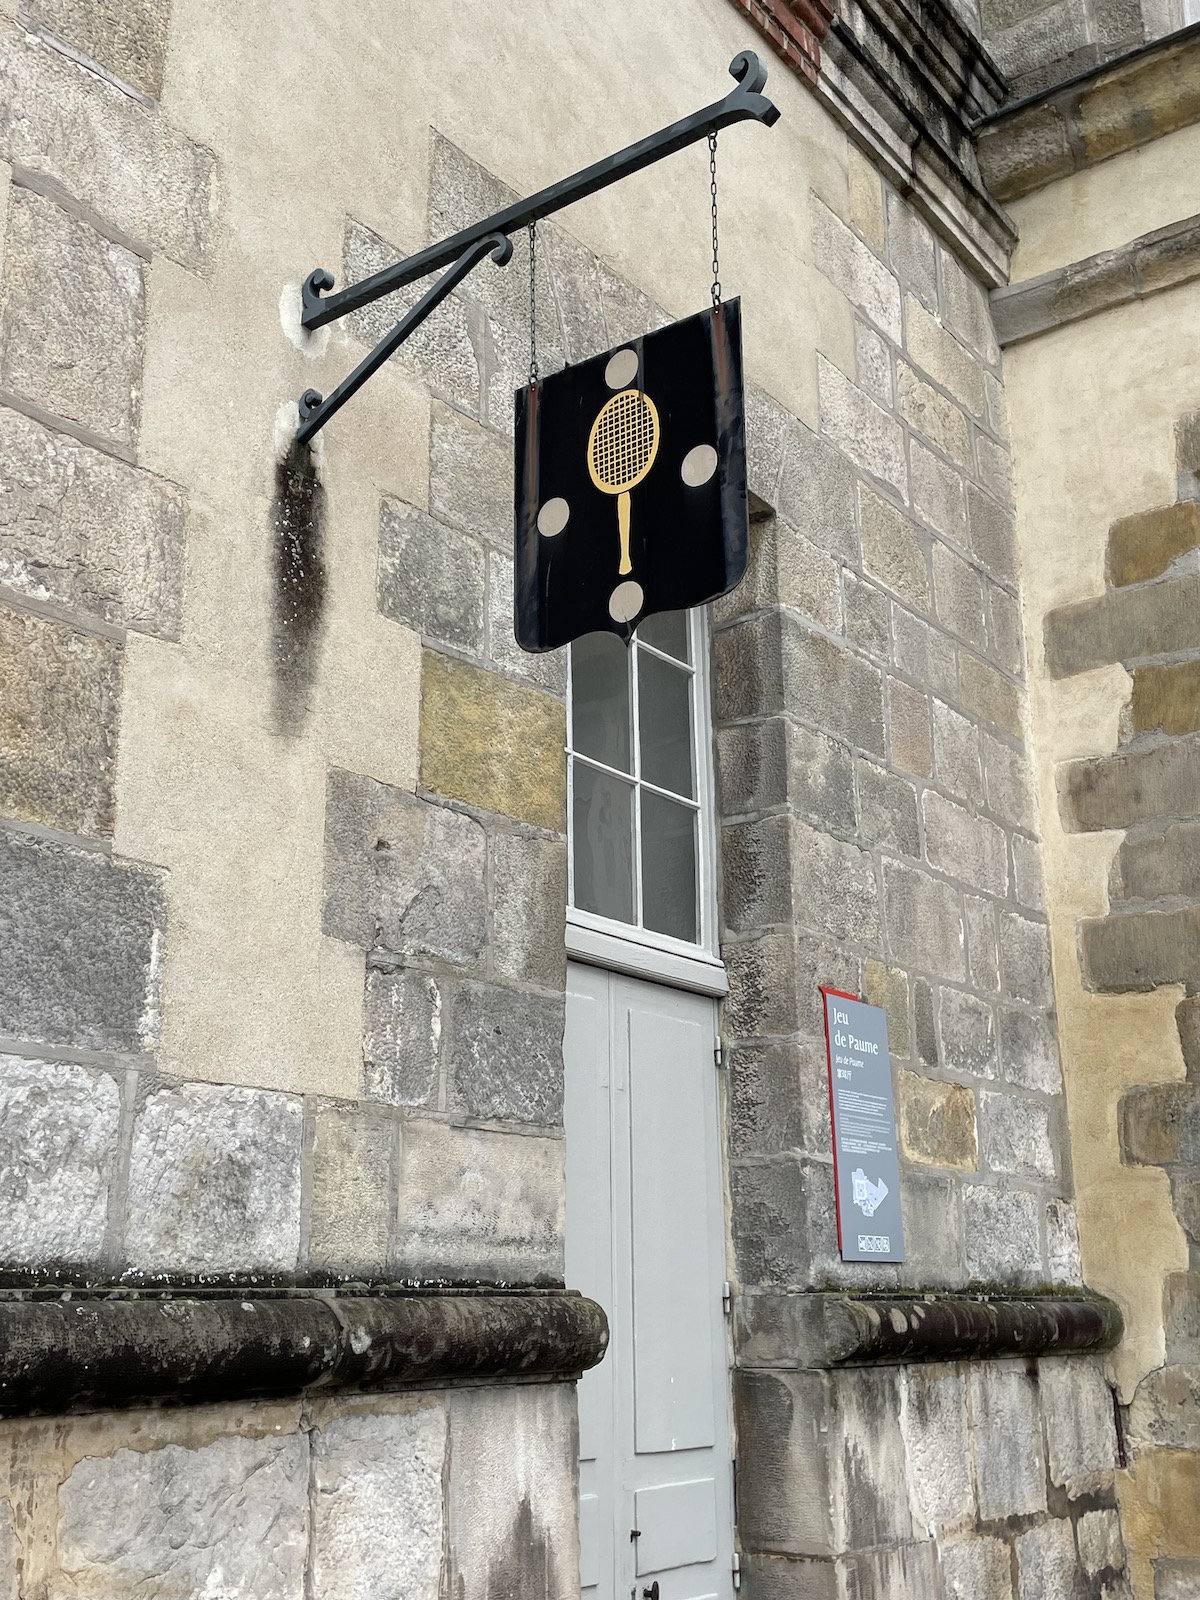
{"type": "Point", "coordinates": [821, 1330]}
{"type": "Point", "coordinates": [96, 1353]}
{"type": "Point", "coordinates": [1160, 260]}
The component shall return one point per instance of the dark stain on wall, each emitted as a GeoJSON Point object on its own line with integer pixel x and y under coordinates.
{"type": "Point", "coordinates": [525, 1568]}
{"type": "Point", "coordinates": [299, 585]}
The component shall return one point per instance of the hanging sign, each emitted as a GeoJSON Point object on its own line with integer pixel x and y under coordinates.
{"type": "Point", "coordinates": [631, 483]}
{"type": "Point", "coordinates": [866, 1168]}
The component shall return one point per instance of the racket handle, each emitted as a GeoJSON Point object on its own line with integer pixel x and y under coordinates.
{"type": "Point", "coordinates": [623, 525]}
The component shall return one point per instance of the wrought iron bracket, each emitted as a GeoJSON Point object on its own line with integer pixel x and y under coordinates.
{"type": "Point", "coordinates": [466, 249]}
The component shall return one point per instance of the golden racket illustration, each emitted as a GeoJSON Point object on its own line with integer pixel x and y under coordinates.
{"type": "Point", "coordinates": [621, 450]}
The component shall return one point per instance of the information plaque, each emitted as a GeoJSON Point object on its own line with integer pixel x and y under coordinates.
{"type": "Point", "coordinates": [866, 1169]}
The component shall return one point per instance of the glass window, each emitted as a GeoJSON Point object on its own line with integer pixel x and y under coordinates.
{"type": "Point", "coordinates": [637, 780]}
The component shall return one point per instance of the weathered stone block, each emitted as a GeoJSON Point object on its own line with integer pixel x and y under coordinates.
{"type": "Point", "coordinates": [59, 1126]}
{"type": "Point", "coordinates": [933, 1420]}
{"type": "Point", "coordinates": [126, 162]}
{"type": "Point", "coordinates": [440, 350]}
{"type": "Point", "coordinates": [957, 761]}
{"type": "Point", "coordinates": [767, 428]}
{"type": "Point", "coordinates": [491, 743]}
{"type": "Point", "coordinates": [937, 1122]}
{"type": "Point", "coordinates": [548, 670]}
{"type": "Point", "coordinates": [1186, 1200]}
{"type": "Point", "coordinates": [993, 536]}
{"type": "Point", "coordinates": [976, 1569]}
{"type": "Point", "coordinates": [1028, 883]}
{"type": "Point", "coordinates": [909, 738]}
{"type": "Point", "coordinates": [757, 893]}
{"type": "Point", "coordinates": [983, 954]}
{"type": "Point", "coordinates": [513, 1512]}
{"type": "Point", "coordinates": [832, 687]}
{"type": "Point", "coordinates": [1006, 637]}
{"type": "Point", "coordinates": [938, 494]}
{"type": "Point", "coordinates": [930, 414]}
{"type": "Point", "coordinates": [933, 1232]}
{"type": "Point", "coordinates": [470, 477]}
{"type": "Point", "coordinates": [59, 697]}
{"type": "Point", "coordinates": [911, 250]}
{"type": "Point", "coordinates": [1008, 783]}
{"type": "Point", "coordinates": [994, 468]}
{"type": "Point", "coordinates": [778, 1098]}
{"type": "Point", "coordinates": [1123, 625]}
{"type": "Point", "coordinates": [402, 874]}
{"type": "Point", "coordinates": [868, 617]}
{"type": "Point", "coordinates": [1062, 1243]}
{"type": "Point", "coordinates": [1017, 1138]}
{"type": "Point", "coordinates": [891, 1573]}
{"type": "Point", "coordinates": [1101, 1548]}
{"type": "Point", "coordinates": [80, 948]}
{"type": "Point", "coordinates": [1029, 1052]}
{"type": "Point", "coordinates": [893, 549]}
{"type": "Point", "coordinates": [867, 201]}
{"type": "Point", "coordinates": [1021, 155]}
{"type": "Point", "coordinates": [866, 433]}
{"type": "Point", "coordinates": [1140, 950]}
{"type": "Point", "coordinates": [352, 1187]}
{"type": "Point", "coordinates": [1176, 1580]}
{"type": "Point", "coordinates": [888, 987]}
{"type": "Point", "coordinates": [1006, 1440]}
{"type": "Point", "coordinates": [958, 596]}
{"type": "Point", "coordinates": [1181, 1316]}
{"type": "Point", "coordinates": [8, 1556]}
{"type": "Point", "coordinates": [1165, 1412]}
{"type": "Point", "coordinates": [1117, 791]}
{"type": "Point", "coordinates": [529, 897]}
{"type": "Point", "coordinates": [378, 1521]}
{"type": "Point", "coordinates": [402, 1029]}
{"type": "Point", "coordinates": [965, 311]}
{"type": "Point", "coordinates": [833, 886]}
{"type": "Point", "coordinates": [82, 528]}
{"type": "Point", "coordinates": [234, 1511]}
{"type": "Point", "coordinates": [770, 1221]}
{"type": "Point", "coordinates": [923, 918]}
{"type": "Point", "coordinates": [1160, 1124]}
{"type": "Point", "coordinates": [872, 363]}
{"type": "Point", "coordinates": [964, 845]}
{"type": "Point", "coordinates": [870, 1508]}
{"type": "Point", "coordinates": [479, 1206]}
{"type": "Point", "coordinates": [968, 1029]}
{"type": "Point", "coordinates": [1046, 1565]}
{"type": "Point", "coordinates": [576, 274]}
{"type": "Point", "coordinates": [430, 577]}
{"type": "Point", "coordinates": [130, 39]}
{"type": "Point", "coordinates": [762, 984]}
{"type": "Point", "coordinates": [1003, 1243]}
{"type": "Point", "coordinates": [1167, 698]}
{"type": "Point", "coordinates": [787, 1577]}
{"type": "Point", "coordinates": [214, 1181]}
{"type": "Point", "coordinates": [939, 354]}
{"type": "Point", "coordinates": [506, 1055]}
{"type": "Point", "coordinates": [71, 326]}
{"type": "Point", "coordinates": [924, 654]}
{"type": "Point", "coordinates": [1025, 959]}
{"type": "Point", "coordinates": [816, 492]}
{"type": "Point", "coordinates": [786, 1493]}
{"type": "Point", "coordinates": [1166, 863]}
{"type": "Point", "coordinates": [1144, 546]}
{"type": "Point", "coordinates": [854, 269]}
{"type": "Point", "coordinates": [990, 695]}
{"type": "Point", "coordinates": [752, 767]}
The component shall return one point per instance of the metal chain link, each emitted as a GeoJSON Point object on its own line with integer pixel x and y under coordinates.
{"type": "Point", "coordinates": [712, 171]}
{"type": "Point", "coordinates": [533, 357]}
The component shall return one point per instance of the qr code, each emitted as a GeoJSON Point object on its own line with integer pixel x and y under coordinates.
{"type": "Point", "coordinates": [878, 1243]}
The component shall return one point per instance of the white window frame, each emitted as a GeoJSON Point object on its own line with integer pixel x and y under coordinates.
{"type": "Point", "coordinates": [637, 951]}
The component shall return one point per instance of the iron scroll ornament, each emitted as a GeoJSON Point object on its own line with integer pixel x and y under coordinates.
{"type": "Point", "coordinates": [463, 251]}
{"type": "Point", "coordinates": [630, 483]}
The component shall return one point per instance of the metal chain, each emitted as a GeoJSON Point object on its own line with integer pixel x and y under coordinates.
{"type": "Point", "coordinates": [533, 357]}
{"type": "Point", "coordinates": [712, 171]}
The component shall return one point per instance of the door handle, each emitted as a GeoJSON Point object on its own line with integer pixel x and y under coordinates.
{"type": "Point", "coordinates": [651, 1591]}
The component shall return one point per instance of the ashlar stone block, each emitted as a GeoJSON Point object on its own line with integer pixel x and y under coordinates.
{"type": "Point", "coordinates": [491, 743]}
{"type": "Point", "coordinates": [957, 759]}
{"type": "Point", "coordinates": [1025, 959]}
{"type": "Point", "coordinates": [783, 1433]}
{"type": "Point", "coordinates": [964, 845]}
{"type": "Point", "coordinates": [959, 596]}
{"type": "Point", "coordinates": [214, 1181]}
{"type": "Point", "coordinates": [378, 1518]}
{"type": "Point", "coordinates": [232, 1513]}
{"type": "Point", "coordinates": [870, 436]}
{"type": "Point", "coordinates": [88, 531]}
{"type": "Point", "coordinates": [983, 955]}
{"type": "Point", "coordinates": [856, 270]}
{"type": "Point", "coordinates": [81, 944]}
{"type": "Point", "coordinates": [923, 919]}
{"type": "Point", "coordinates": [910, 740]}
{"type": "Point", "coordinates": [870, 1505]}
{"type": "Point", "coordinates": [872, 363]}
{"type": "Point", "coordinates": [1017, 1138]}
{"type": "Point", "coordinates": [1006, 1440]}
{"type": "Point", "coordinates": [1143, 546]}
{"type": "Point", "coordinates": [529, 894]}
{"type": "Point", "coordinates": [1029, 1052]}
{"type": "Point", "coordinates": [990, 695]}
{"type": "Point", "coordinates": [59, 698]}
{"type": "Point", "coordinates": [778, 1098]}
{"type": "Point", "coordinates": [59, 1126]}
{"type": "Point", "coordinates": [430, 577]}
{"type": "Point", "coordinates": [129, 37]}
{"type": "Point", "coordinates": [831, 686]}
{"type": "Point", "coordinates": [924, 653]}
{"type": "Point", "coordinates": [939, 354]}
{"type": "Point", "coordinates": [816, 492]}
{"type": "Point", "coordinates": [893, 549]}
{"type": "Point", "coordinates": [1125, 625]}
{"type": "Point", "coordinates": [1047, 1566]}
{"type": "Point", "coordinates": [548, 670]}
{"type": "Point", "coordinates": [1003, 1236]}
{"type": "Point", "coordinates": [933, 1421]}
{"type": "Point", "coordinates": [71, 326]}
{"type": "Point", "coordinates": [993, 535]}
{"type": "Point", "coordinates": [968, 1029]}
{"type": "Point", "coordinates": [477, 1206]}
{"type": "Point", "coordinates": [352, 1187]}
{"type": "Point", "coordinates": [1101, 1548]}
{"type": "Point", "coordinates": [506, 1055]}
{"type": "Point", "coordinates": [868, 617]}
{"type": "Point", "coordinates": [937, 1122]}
{"type": "Point", "coordinates": [937, 419]}
{"type": "Point", "coordinates": [976, 1569]}
{"type": "Point", "coordinates": [402, 1031]}
{"type": "Point", "coordinates": [911, 250]}
{"type": "Point", "coordinates": [470, 477]}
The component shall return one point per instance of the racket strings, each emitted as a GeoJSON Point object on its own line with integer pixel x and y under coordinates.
{"type": "Point", "coordinates": [624, 440]}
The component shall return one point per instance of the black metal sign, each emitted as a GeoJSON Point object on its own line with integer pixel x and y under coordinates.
{"type": "Point", "coordinates": [631, 483]}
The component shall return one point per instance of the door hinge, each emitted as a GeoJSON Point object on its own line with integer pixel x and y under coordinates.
{"type": "Point", "coordinates": [737, 1570]}
{"type": "Point", "coordinates": [719, 1054]}
{"type": "Point", "coordinates": [727, 1298]}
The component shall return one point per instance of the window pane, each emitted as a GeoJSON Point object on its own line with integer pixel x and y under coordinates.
{"type": "Point", "coordinates": [666, 725]}
{"type": "Point", "coordinates": [669, 868]}
{"type": "Point", "coordinates": [600, 699]}
{"type": "Point", "coordinates": [602, 837]}
{"type": "Point", "coordinates": [667, 631]}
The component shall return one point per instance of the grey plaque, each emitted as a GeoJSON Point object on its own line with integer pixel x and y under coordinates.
{"type": "Point", "coordinates": [866, 1167]}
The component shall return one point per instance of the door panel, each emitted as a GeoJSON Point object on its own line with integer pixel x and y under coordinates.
{"type": "Point", "coordinates": [645, 1230]}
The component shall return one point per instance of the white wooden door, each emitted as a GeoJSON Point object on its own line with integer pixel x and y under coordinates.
{"type": "Point", "coordinates": [645, 1229]}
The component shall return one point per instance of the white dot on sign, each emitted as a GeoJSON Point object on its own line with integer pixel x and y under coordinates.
{"type": "Point", "coordinates": [552, 518]}
{"type": "Point", "coordinates": [698, 465]}
{"type": "Point", "coordinates": [621, 369]}
{"type": "Point", "coordinates": [625, 601]}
